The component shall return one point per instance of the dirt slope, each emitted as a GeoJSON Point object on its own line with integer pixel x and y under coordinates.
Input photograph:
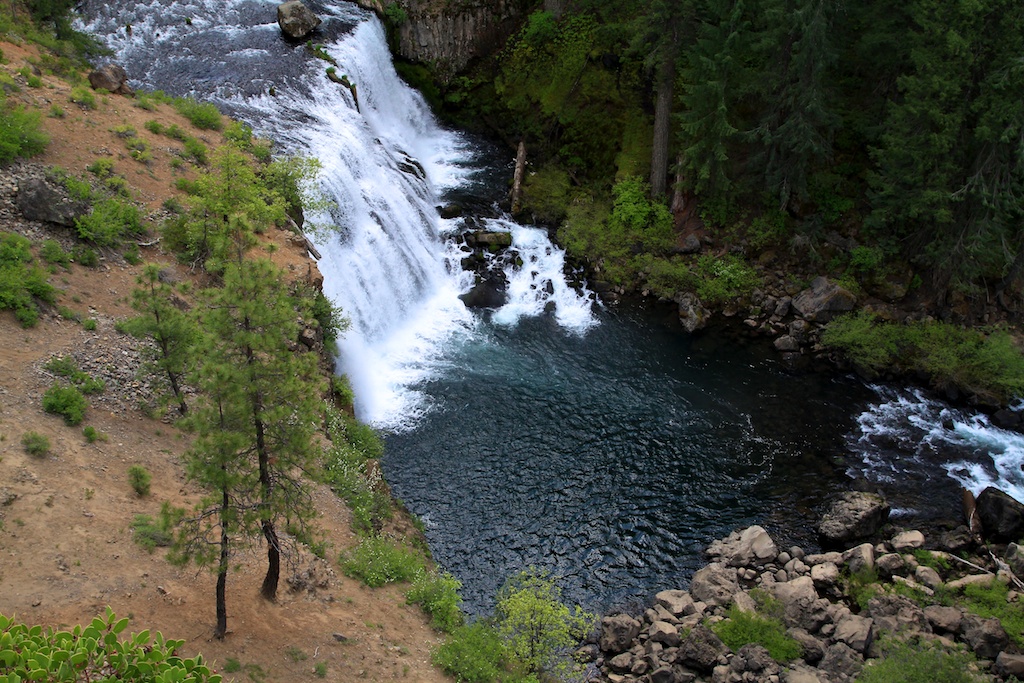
{"type": "Point", "coordinates": [66, 549]}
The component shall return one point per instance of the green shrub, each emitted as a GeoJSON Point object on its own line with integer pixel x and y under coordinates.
{"type": "Point", "coordinates": [101, 168]}
{"type": "Point", "coordinates": [438, 595]}
{"type": "Point", "coordinates": [202, 115]}
{"type": "Point", "coordinates": [154, 127]}
{"type": "Point", "coordinates": [344, 470]}
{"type": "Point", "coordinates": [742, 628]}
{"type": "Point", "coordinates": [992, 601]}
{"type": "Point", "coordinates": [23, 285]}
{"type": "Point", "coordinates": [66, 401]}
{"type": "Point", "coordinates": [721, 279]}
{"type": "Point", "coordinates": [56, 111]}
{"type": "Point", "coordinates": [537, 626]}
{"type": "Point", "coordinates": [125, 131]}
{"type": "Point", "coordinates": [20, 132]}
{"type": "Point", "coordinates": [86, 256]}
{"type": "Point", "coordinates": [475, 653]}
{"type": "Point", "coordinates": [83, 96]}
{"type": "Point", "coordinates": [65, 366]}
{"type": "Point", "coordinates": [377, 561]}
{"type": "Point", "coordinates": [238, 132]}
{"type": "Point", "coordinates": [35, 444]}
{"type": "Point", "coordinates": [52, 252]}
{"type": "Point", "coordinates": [176, 132]}
{"type": "Point", "coordinates": [917, 662]}
{"type": "Point", "coordinates": [92, 435]}
{"type": "Point", "coordinates": [89, 325]}
{"type": "Point", "coordinates": [30, 653]}
{"type": "Point", "coordinates": [151, 533]}
{"type": "Point", "coordinates": [197, 151]}
{"type": "Point", "coordinates": [110, 221]}
{"type": "Point", "coordinates": [666, 277]}
{"type": "Point", "coordinates": [140, 479]}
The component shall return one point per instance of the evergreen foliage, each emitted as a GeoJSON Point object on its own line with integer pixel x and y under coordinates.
{"type": "Point", "coordinates": [23, 285]}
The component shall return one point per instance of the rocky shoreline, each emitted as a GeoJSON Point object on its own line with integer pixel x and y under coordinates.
{"type": "Point", "coordinates": [841, 610]}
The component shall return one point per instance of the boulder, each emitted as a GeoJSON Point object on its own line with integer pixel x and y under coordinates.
{"type": "Point", "coordinates": [813, 649]}
{"type": "Point", "coordinates": [618, 633]}
{"type": "Point", "coordinates": [296, 20]}
{"type": "Point", "coordinates": [621, 663]}
{"type": "Point", "coordinates": [895, 613]}
{"type": "Point", "coordinates": [692, 314]}
{"type": "Point", "coordinates": [823, 300]}
{"type": "Point", "coordinates": [943, 619]}
{"type": "Point", "coordinates": [664, 633]}
{"type": "Point", "coordinates": [1002, 517]}
{"type": "Point", "coordinates": [691, 245]}
{"type": "Point", "coordinates": [663, 674]}
{"type": "Point", "coordinates": [802, 674]}
{"type": "Point", "coordinates": [489, 293]}
{"type": "Point", "coordinates": [855, 631]}
{"type": "Point", "coordinates": [860, 558]}
{"type": "Point", "coordinates": [750, 547]}
{"type": "Point", "coordinates": [1009, 665]}
{"type": "Point", "coordinates": [890, 564]}
{"type": "Point", "coordinates": [678, 603]}
{"type": "Point", "coordinates": [928, 577]}
{"type": "Point", "coordinates": [488, 239]}
{"type": "Point", "coordinates": [786, 343]}
{"type": "Point", "coordinates": [801, 605]}
{"type": "Point", "coordinates": [971, 580]}
{"type": "Point", "coordinates": [39, 201]}
{"type": "Point", "coordinates": [826, 578]}
{"type": "Point", "coordinates": [986, 637]}
{"type": "Point", "coordinates": [111, 78]}
{"type": "Point", "coordinates": [841, 663]}
{"type": "Point", "coordinates": [714, 584]}
{"type": "Point", "coordinates": [853, 515]}
{"type": "Point", "coordinates": [907, 540]}
{"type": "Point", "coordinates": [700, 649]}
{"type": "Point", "coordinates": [1015, 559]}
{"type": "Point", "coordinates": [754, 659]}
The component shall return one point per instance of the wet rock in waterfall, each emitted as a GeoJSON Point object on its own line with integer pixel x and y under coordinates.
{"type": "Point", "coordinates": [449, 211]}
{"type": "Point", "coordinates": [38, 200]}
{"type": "Point", "coordinates": [823, 300]}
{"type": "Point", "coordinates": [1002, 516]}
{"type": "Point", "coordinates": [855, 514]}
{"type": "Point", "coordinates": [487, 293]}
{"type": "Point", "coordinates": [412, 167]}
{"type": "Point", "coordinates": [296, 20]}
{"type": "Point", "coordinates": [111, 78]}
{"type": "Point", "coordinates": [487, 239]}
{"type": "Point", "coordinates": [1005, 418]}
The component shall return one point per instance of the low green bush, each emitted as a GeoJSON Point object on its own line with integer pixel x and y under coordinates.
{"type": "Point", "coordinates": [438, 595]}
{"type": "Point", "coordinates": [723, 278]}
{"type": "Point", "coordinates": [152, 533]}
{"type": "Point", "coordinates": [92, 435]}
{"type": "Point", "coordinates": [109, 222]}
{"type": "Point", "coordinates": [742, 628]}
{"type": "Point", "coordinates": [83, 96]}
{"type": "Point", "coordinates": [197, 151]}
{"type": "Point", "coordinates": [140, 479]}
{"type": "Point", "coordinates": [202, 115]}
{"type": "Point", "coordinates": [21, 133]}
{"type": "Point", "coordinates": [992, 601]}
{"type": "Point", "coordinates": [52, 252]}
{"type": "Point", "coordinates": [67, 402]}
{"type": "Point", "coordinates": [99, 650]}
{"type": "Point", "coordinates": [475, 653]}
{"type": "Point", "coordinates": [377, 561]}
{"type": "Point", "coordinates": [66, 367]}
{"type": "Point", "coordinates": [918, 662]}
{"type": "Point", "coordinates": [35, 444]}
{"type": "Point", "coordinates": [23, 285]}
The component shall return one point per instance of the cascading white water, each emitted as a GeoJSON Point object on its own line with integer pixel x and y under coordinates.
{"type": "Point", "coordinates": [384, 166]}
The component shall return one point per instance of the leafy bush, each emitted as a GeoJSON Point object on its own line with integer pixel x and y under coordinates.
{"type": "Point", "coordinates": [377, 561]}
{"type": "Point", "coordinates": [65, 366]}
{"type": "Point", "coordinates": [476, 654]}
{"type": "Point", "coordinates": [238, 132]}
{"type": "Point", "coordinates": [197, 151]}
{"type": "Point", "coordinates": [83, 96]}
{"type": "Point", "coordinates": [35, 444]}
{"type": "Point", "coordinates": [22, 285]}
{"type": "Point", "coordinates": [152, 533]}
{"type": "Point", "coordinates": [52, 252]}
{"type": "Point", "coordinates": [110, 221]}
{"type": "Point", "coordinates": [154, 126]}
{"type": "Point", "coordinates": [92, 435]}
{"type": "Point", "coordinates": [66, 401]}
{"type": "Point", "coordinates": [202, 115]}
{"type": "Point", "coordinates": [536, 625]}
{"type": "Point", "coordinates": [742, 628]}
{"type": "Point", "coordinates": [438, 595]}
{"type": "Point", "coordinates": [20, 132]}
{"type": "Point", "coordinates": [992, 601]}
{"type": "Point", "coordinates": [101, 168]}
{"type": "Point", "coordinates": [140, 479]}
{"type": "Point", "coordinates": [724, 278]}
{"type": "Point", "coordinates": [917, 662]}
{"type": "Point", "coordinates": [29, 653]}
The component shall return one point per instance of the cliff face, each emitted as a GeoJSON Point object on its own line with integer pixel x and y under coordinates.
{"type": "Point", "coordinates": [448, 34]}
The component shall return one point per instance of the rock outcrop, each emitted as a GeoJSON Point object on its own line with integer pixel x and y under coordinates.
{"type": "Point", "coordinates": [296, 20]}
{"type": "Point", "coordinates": [111, 78]}
{"type": "Point", "coordinates": [38, 200]}
{"type": "Point", "coordinates": [1002, 517]}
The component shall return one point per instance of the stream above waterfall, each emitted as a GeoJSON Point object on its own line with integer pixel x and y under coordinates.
{"type": "Point", "coordinates": [600, 443]}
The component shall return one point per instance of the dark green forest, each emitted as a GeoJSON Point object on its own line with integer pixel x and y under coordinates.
{"type": "Point", "coordinates": [771, 125]}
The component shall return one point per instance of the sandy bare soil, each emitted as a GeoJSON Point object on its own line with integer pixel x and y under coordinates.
{"type": "Point", "coordinates": [66, 547]}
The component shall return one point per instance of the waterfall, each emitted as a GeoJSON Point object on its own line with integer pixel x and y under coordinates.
{"type": "Point", "coordinates": [386, 261]}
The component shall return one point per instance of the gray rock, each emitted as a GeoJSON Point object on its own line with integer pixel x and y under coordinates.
{"type": "Point", "coordinates": [663, 674]}
{"type": "Point", "coordinates": [1009, 665]}
{"type": "Point", "coordinates": [678, 603]}
{"type": "Point", "coordinates": [485, 294]}
{"type": "Point", "coordinates": [801, 605]}
{"type": "Point", "coordinates": [786, 343]}
{"type": "Point", "coordinates": [663, 632]}
{"type": "Point", "coordinates": [40, 201]}
{"type": "Point", "coordinates": [853, 515]}
{"type": "Point", "coordinates": [860, 558]}
{"type": "Point", "coordinates": [943, 619]}
{"type": "Point", "coordinates": [111, 78]}
{"type": "Point", "coordinates": [907, 540]}
{"type": "Point", "coordinates": [823, 300]}
{"type": "Point", "coordinates": [618, 632]}
{"type": "Point", "coordinates": [754, 659]}
{"type": "Point", "coordinates": [700, 649]}
{"type": "Point", "coordinates": [691, 245]}
{"type": "Point", "coordinates": [928, 577]}
{"type": "Point", "coordinates": [985, 636]}
{"type": "Point", "coordinates": [489, 239]}
{"type": "Point", "coordinates": [744, 603]}
{"type": "Point", "coordinates": [826, 578]}
{"type": "Point", "coordinates": [750, 547]}
{"type": "Point", "coordinates": [896, 613]}
{"type": "Point", "coordinates": [296, 20]}
{"type": "Point", "coordinates": [621, 663]}
{"type": "Point", "coordinates": [813, 648]}
{"type": "Point", "coordinates": [693, 315]}
{"type": "Point", "coordinates": [841, 663]}
{"type": "Point", "coordinates": [803, 674]}
{"type": "Point", "coordinates": [1002, 516]}
{"type": "Point", "coordinates": [855, 631]}
{"type": "Point", "coordinates": [714, 584]}
{"type": "Point", "coordinates": [1015, 559]}
{"type": "Point", "coordinates": [890, 565]}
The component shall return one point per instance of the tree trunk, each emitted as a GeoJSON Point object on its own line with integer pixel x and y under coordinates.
{"type": "Point", "coordinates": [269, 589]}
{"type": "Point", "coordinates": [222, 571]}
{"type": "Point", "coordinates": [517, 179]}
{"type": "Point", "coordinates": [662, 125]}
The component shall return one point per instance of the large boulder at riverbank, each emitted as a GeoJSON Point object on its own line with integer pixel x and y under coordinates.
{"type": "Point", "coordinates": [853, 515]}
{"type": "Point", "coordinates": [296, 20]}
{"type": "Point", "coordinates": [1002, 517]}
{"type": "Point", "coordinates": [823, 300]}
{"type": "Point", "coordinates": [752, 545]}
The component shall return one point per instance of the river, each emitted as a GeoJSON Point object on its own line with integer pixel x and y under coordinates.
{"type": "Point", "coordinates": [601, 443]}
